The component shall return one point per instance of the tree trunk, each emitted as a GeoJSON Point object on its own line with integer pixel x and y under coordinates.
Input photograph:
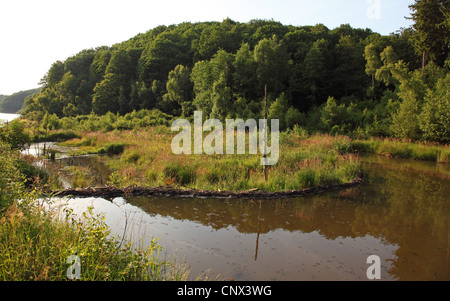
{"type": "Point", "coordinates": [423, 61]}
{"type": "Point", "coordinates": [373, 81]}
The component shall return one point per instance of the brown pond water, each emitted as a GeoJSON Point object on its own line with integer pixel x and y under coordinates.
{"type": "Point", "coordinates": [400, 213]}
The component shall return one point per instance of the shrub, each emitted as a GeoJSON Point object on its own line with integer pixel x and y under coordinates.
{"type": "Point", "coordinates": [294, 118]}
{"type": "Point", "coordinates": [11, 178]}
{"type": "Point", "coordinates": [130, 156]}
{"type": "Point", "coordinates": [15, 135]}
{"type": "Point", "coordinates": [113, 148]}
{"type": "Point", "coordinates": [343, 145]}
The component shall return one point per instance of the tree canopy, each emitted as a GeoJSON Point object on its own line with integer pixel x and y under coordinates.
{"type": "Point", "coordinates": [366, 81]}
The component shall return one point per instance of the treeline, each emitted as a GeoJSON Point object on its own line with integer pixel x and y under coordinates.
{"type": "Point", "coordinates": [345, 80]}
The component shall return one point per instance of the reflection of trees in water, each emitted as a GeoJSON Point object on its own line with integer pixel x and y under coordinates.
{"type": "Point", "coordinates": [416, 218]}
{"type": "Point", "coordinates": [408, 209]}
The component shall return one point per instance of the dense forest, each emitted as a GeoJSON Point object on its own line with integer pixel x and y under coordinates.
{"type": "Point", "coordinates": [343, 81]}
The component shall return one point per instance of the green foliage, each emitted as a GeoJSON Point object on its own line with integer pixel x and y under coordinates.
{"type": "Point", "coordinates": [11, 178]}
{"type": "Point", "coordinates": [16, 172]}
{"type": "Point", "coordinates": [179, 90]}
{"type": "Point", "coordinates": [373, 62]}
{"type": "Point", "coordinates": [434, 120]}
{"type": "Point", "coordinates": [278, 111]}
{"type": "Point", "coordinates": [112, 149]}
{"type": "Point", "coordinates": [294, 117]}
{"type": "Point", "coordinates": [432, 30]}
{"type": "Point", "coordinates": [56, 136]}
{"type": "Point", "coordinates": [15, 135]}
{"type": "Point", "coordinates": [46, 241]}
{"type": "Point", "coordinates": [221, 68]}
{"type": "Point", "coordinates": [272, 61]}
{"type": "Point", "coordinates": [70, 126]}
{"type": "Point", "coordinates": [15, 102]}
{"type": "Point", "coordinates": [178, 173]}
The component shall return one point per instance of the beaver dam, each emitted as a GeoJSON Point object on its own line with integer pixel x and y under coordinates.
{"type": "Point", "coordinates": [110, 192]}
{"type": "Point", "coordinates": [399, 212]}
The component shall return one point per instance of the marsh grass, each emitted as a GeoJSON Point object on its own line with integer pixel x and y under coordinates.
{"type": "Point", "coordinates": [403, 149]}
{"type": "Point", "coordinates": [36, 242]}
{"type": "Point", "coordinates": [80, 176]}
{"type": "Point", "coordinates": [35, 245]}
{"type": "Point", "coordinates": [305, 161]}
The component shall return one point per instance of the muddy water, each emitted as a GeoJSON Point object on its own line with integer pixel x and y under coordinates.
{"type": "Point", "coordinates": [401, 213]}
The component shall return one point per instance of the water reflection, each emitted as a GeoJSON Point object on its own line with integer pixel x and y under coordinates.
{"type": "Point", "coordinates": [399, 214]}
{"type": "Point", "coordinates": [95, 170]}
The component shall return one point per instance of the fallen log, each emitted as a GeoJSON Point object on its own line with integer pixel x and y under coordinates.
{"type": "Point", "coordinates": [110, 192]}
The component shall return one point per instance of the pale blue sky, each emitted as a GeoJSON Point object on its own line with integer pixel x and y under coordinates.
{"type": "Point", "coordinates": [34, 34]}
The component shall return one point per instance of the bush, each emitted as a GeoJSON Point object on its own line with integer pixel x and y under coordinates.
{"type": "Point", "coordinates": [130, 156]}
{"type": "Point", "coordinates": [112, 149]}
{"type": "Point", "coordinates": [11, 178]}
{"type": "Point", "coordinates": [343, 145]}
{"type": "Point", "coordinates": [434, 120]}
{"type": "Point", "coordinates": [15, 135]}
{"type": "Point", "coordinates": [294, 118]}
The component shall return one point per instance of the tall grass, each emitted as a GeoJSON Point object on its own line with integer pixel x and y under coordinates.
{"type": "Point", "coordinates": [403, 149]}
{"type": "Point", "coordinates": [35, 245]}
{"type": "Point", "coordinates": [305, 161]}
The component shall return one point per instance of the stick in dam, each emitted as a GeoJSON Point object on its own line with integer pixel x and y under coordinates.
{"type": "Point", "coordinates": [110, 192]}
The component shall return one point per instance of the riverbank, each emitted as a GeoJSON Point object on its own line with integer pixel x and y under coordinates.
{"type": "Point", "coordinates": [403, 149]}
{"type": "Point", "coordinates": [37, 243]}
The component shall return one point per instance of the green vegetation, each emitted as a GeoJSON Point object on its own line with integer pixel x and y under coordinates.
{"type": "Point", "coordinates": [36, 242]}
{"type": "Point", "coordinates": [346, 80]}
{"type": "Point", "coordinates": [15, 102]}
{"type": "Point", "coordinates": [35, 245]}
{"type": "Point", "coordinates": [403, 149]}
{"type": "Point", "coordinates": [305, 161]}
{"type": "Point", "coordinates": [333, 91]}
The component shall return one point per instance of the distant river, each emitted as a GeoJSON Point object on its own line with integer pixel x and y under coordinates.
{"type": "Point", "coordinates": [6, 117]}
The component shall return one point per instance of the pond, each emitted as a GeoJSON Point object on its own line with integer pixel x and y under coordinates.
{"type": "Point", "coordinates": [93, 164]}
{"type": "Point", "coordinates": [400, 213]}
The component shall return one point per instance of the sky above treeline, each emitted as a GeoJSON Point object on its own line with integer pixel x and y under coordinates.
{"type": "Point", "coordinates": [35, 34]}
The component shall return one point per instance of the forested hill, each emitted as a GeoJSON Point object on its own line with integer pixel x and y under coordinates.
{"type": "Point", "coordinates": [14, 102]}
{"type": "Point", "coordinates": [217, 62]}
{"type": "Point", "coordinates": [221, 68]}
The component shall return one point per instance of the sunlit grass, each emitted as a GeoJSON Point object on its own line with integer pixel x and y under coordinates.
{"type": "Point", "coordinates": [35, 245]}
{"type": "Point", "coordinates": [305, 161]}
{"type": "Point", "coordinates": [404, 149]}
